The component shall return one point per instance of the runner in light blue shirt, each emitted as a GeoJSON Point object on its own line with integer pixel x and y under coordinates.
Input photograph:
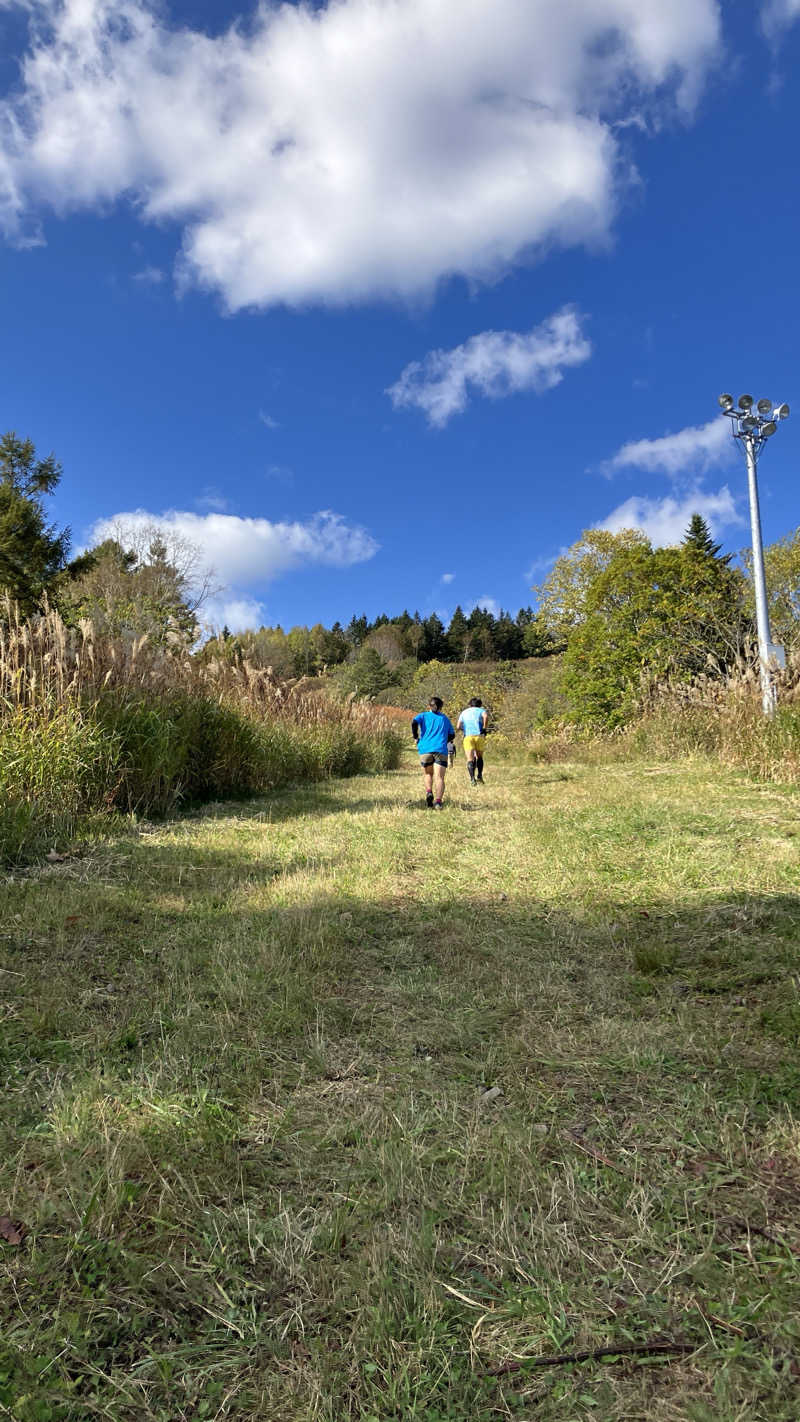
{"type": "Point", "coordinates": [472, 723]}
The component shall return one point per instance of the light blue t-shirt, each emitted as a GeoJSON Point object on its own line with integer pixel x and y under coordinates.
{"type": "Point", "coordinates": [471, 720]}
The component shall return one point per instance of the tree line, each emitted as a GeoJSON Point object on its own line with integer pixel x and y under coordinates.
{"type": "Point", "coordinates": [624, 614]}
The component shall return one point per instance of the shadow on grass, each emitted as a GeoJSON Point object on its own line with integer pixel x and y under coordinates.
{"type": "Point", "coordinates": [252, 1146]}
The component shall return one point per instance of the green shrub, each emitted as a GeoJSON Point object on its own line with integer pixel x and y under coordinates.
{"type": "Point", "coordinates": [53, 767]}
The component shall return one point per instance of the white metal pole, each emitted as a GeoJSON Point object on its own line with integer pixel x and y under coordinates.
{"type": "Point", "coordinates": [768, 693]}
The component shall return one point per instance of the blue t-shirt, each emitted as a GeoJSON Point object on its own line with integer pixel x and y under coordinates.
{"type": "Point", "coordinates": [471, 720]}
{"type": "Point", "coordinates": [435, 730]}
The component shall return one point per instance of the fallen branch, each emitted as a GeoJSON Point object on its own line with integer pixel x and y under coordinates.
{"type": "Point", "coordinates": [621, 1350]}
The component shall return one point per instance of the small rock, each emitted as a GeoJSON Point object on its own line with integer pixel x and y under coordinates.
{"type": "Point", "coordinates": [487, 1097]}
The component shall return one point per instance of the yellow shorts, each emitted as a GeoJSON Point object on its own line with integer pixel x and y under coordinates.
{"type": "Point", "coordinates": [474, 743]}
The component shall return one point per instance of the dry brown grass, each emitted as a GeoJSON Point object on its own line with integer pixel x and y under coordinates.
{"type": "Point", "coordinates": [44, 664]}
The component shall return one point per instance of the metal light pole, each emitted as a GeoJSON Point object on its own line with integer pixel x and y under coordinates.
{"type": "Point", "coordinates": [751, 431]}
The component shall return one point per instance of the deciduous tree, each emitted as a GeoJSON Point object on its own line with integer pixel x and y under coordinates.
{"type": "Point", "coordinates": [564, 592]}
{"type": "Point", "coordinates": [653, 614]}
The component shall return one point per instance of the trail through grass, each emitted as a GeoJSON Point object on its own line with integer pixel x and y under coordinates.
{"type": "Point", "coordinates": [249, 1124]}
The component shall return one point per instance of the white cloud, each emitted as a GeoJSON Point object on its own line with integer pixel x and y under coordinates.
{"type": "Point", "coordinates": [149, 276]}
{"type": "Point", "coordinates": [489, 604]}
{"type": "Point", "coordinates": [212, 499]}
{"type": "Point", "coordinates": [495, 364]}
{"type": "Point", "coordinates": [665, 520]}
{"type": "Point", "coordinates": [447, 577]}
{"type": "Point", "coordinates": [692, 450]}
{"type": "Point", "coordinates": [335, 152]}
{"type": "Point", "coordinates": [541, 565]}
{"type": "Point", "coordinates": [778, 15]}
{"type": "Point", "coordinates": [238, 614]}
{"type": "Point", "coordinates": [249, 552]}
{"type": "Point", "coordinates": [267, 420]}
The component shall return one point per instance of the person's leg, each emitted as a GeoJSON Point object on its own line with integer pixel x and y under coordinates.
{"type": "Point", "coordinates": [438, 784]}
{"type": "Point", "coordinates": [427, 771]}
{"type": "Point", "coordinates": [479, 768]}
{"type": "Point", "coordinates": [469, 752]}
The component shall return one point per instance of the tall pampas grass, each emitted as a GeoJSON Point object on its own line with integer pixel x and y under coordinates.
{"type": "Point", "coordinates": [90, 723]}
{"type": "Point", "coordinates": [720, 713]}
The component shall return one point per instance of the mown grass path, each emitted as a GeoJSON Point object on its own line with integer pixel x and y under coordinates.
{"type": "Point", "coordinates": [245, 1118]}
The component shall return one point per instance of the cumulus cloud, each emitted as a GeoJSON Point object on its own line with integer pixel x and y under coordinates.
{"type": "Point", "coordinates": [447, 577]}
{"type": "Point", "coordinates": [251, 551]}
{"type": "Point", "coordinates": [495, 364]}
{"type": "Point", "coordinates": [696, 449]}
{"type": "Point", "coordinates": [665, 520]}
{"type": "Point", "coordinates": [335, 152]}
{"type": "Point", "coordinates": [778, 15]}
{"type": "Point", "coordinates": [238, 614]}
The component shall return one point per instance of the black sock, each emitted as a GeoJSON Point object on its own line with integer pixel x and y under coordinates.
{"type": "Point", "coordinates": [471, 769]}
{"type": "Point", "coordinates": [479, 766]}
{"type": "Point", "coordinates": [429, 796]}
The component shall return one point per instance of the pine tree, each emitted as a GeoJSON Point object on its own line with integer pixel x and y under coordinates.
{"type": "Point", "coordinates": [459, 637]}
{"type": "Point", "coordinates": [698, 537]}
{"type": "Point", "coordinates": [32, 552]}
{"type": "Point", "coordinates": [357, 629]}
{"type": "Point", "coordinates": [434, 647]}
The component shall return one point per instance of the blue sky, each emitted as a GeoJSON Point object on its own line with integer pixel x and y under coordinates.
{"type": "Point", "coordinates": [382, 304]}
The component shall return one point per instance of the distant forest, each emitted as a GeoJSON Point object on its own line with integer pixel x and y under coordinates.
{"type": "Point", "coordinates": [475, 636]}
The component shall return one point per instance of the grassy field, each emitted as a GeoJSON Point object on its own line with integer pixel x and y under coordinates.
{"type": "Point", "coordinates": [327, 1107]}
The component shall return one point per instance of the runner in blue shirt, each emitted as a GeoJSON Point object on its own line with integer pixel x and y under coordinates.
{"type": "Point", "coordinates": [472, 724]}
{"type": "Point", "coordinates": [434, 735]}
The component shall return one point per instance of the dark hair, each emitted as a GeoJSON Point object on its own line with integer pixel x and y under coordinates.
{"type": "Point", "coordinates": [476, 701]}
{"type": "Point", "coordinates": [437, 702]}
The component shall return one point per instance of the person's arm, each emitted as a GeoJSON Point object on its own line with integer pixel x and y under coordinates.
{"type": "Point", "coordinates": [484, 722]}
{"type": "Point", "coordinates": [451, 735]}
{"type": "Point", "coordinates": [460, 724]}
{"type": "Point", "coordinates": [415, 729]}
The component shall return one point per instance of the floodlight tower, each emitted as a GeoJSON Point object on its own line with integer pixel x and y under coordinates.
{"type": "Point", "coordinates": [751, 431]}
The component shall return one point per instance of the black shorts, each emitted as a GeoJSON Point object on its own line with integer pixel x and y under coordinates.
{"type": "Point", "coordinates": [433, 758]}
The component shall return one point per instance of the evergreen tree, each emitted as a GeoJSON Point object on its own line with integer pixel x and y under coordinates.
{"type": "Point", "coordinates": [481, 626]}
{"type": "Point", "coordinates": [357, 630]}
{"type": "Point", "coordinates": [459, 637]}
{"type": "Point", "coordinates": [434, 647]}
{"type": "Point", "coordinates": [33, 553]}
{"type": "Point", "coordinates": [507, 638]}
{"type": "Point", "coordinates": [698, 537]}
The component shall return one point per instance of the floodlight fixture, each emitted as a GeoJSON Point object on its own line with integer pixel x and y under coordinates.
{"type": "Point", "coordinates": [768, 429]}
{"type": "Point", "coordinates": [725, 402]}
{"type": "Point", "coordinates": [745, 402]}
{"type": "Point", "coordinates": [782, 412]}
{"type": "Point", "coordinates": [764, 407]}
{"type": "Point", "coordinates": [749, 423]}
